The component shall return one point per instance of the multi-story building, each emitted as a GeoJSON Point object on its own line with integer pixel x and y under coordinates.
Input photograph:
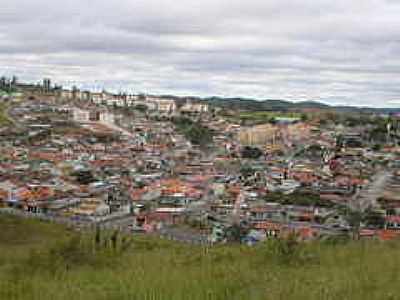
{"type": "Point", "coordinates": [106, 117]}
{"type": "Point", "coordinates": [194, 108]}
{"type": "Point", "coordinates": [80, 115]}
{"type": "Point", "coordinates": [162, 105]}
{"type": "Point", "coordinates": [268, 134]}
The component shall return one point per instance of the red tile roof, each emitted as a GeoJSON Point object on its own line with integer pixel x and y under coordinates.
{"type": "Point", "coordinates": [268, 226]}
{"type": "Point", "coordinates": [388, 235]}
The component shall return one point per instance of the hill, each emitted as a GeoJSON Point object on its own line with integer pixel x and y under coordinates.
{"type": "Point", "coordinates": [46, 261]}
{"type": "Point", "coordinates": [4, 121]}
{"type": "Point", "coordinates": [278, 105]}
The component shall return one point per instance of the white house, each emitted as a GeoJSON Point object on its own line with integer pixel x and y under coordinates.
{"type": "Point", "coordinates": [106, 117]}
{"type": "Point", "coordinates": [195, 107]}
{"type": "Point", "coordinates": [80, 115]}
{"type": "Point", "coordinates": [161, 104]}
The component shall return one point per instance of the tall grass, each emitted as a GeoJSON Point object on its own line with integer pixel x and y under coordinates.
{"type": "Point", "coordinates": [155, 269]}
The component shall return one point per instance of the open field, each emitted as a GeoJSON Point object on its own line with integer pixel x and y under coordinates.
{"type": "Point", "coordinates": [261, 117]}
{"type": "Point", "coordinates": [46, 261]}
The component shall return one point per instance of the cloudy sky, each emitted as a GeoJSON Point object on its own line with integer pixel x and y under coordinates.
{"type": "Point", "coordinates": [339, 52]}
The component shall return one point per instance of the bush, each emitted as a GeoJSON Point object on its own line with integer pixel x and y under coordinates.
{"type": "Point", "coordinates": [298, 198]}
{"type": "Point", "coordinates": [290, 251]}
{"type": "Point", "coordinates": [251, 152]}
{"type": "Point", "coordinates": [141, 107]}
{"type": "Point", "coordinates": [195, 132]}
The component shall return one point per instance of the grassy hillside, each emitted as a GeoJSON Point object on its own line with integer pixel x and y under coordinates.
{"type": "Point", "coordinates": [46, 261]}
{"type": "Point", "coordinates": [262, 117]}
{"type": "Point", "coordinates": [4, 121]}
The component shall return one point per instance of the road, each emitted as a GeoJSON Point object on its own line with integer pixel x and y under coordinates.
{"type": "Point", "coordinates": [368, 196]}
{"type": "Point", "coordinates": [118, 222]}
{"type": "Point", "coordinates": [117, 128]}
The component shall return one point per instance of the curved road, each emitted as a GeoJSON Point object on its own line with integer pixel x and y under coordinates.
{"type": "Point", "coordinates": [368, 196]}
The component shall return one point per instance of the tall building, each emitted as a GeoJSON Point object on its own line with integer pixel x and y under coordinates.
{"type": "Point", "coordinates": [46, 84]}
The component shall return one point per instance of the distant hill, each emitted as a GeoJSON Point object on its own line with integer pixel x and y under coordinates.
{"type": "Point", "coordinates": [283, 105]}
{"type": "Point", "coordinates": [279, 105]}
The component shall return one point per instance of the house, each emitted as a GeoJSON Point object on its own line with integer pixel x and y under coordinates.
{"type": "Point", "coordinates": [162, 216]}
{"type": "Point", "coordinates": [91, 207]}
{"type": "Point", "coordinates": [80, 115]}
{"type": "Point", "coordinates": [165, 105]}
{"type": "Point", "coordinates": [389, 234]}
{"type": "Point", "coordinates": [265, 213]}
{"type": "Point", "coordinates": [392, 222]}
{"type": "Point", "coordinates": [98, 98]}
{"type": "Point", "coordinates": [194, 108]}
{"type": "Point", "coordinates": [106, 117]}
{"type": "Point", "coordinates": [6, 192]}
{"type": "Point", "coordinates": [66, 94]}
{"type": "Point", "coordinates": [269, 229]}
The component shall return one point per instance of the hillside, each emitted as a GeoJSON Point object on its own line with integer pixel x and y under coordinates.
{"type": "Point", "coordinates": [288, 106]}
{"type": "Point", "coordinates": [3, 118]}
{"type": "Point", "coordinates": [278, 105]}
{"type": "Point", "coordinates": [46, 261]}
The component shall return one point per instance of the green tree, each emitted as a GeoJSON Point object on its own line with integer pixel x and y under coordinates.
{"type": "Point", "coordinates": [195, 132]}
{"type": "Point", "coordinates": [141, 107]}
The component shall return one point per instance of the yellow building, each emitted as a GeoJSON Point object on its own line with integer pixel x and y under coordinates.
{"type": "Point", "coordinates": [91, 207]}
{"type": "Point", "coordinates": [195, 107]}
{"type": "Point", "coordinates": [269, 134]}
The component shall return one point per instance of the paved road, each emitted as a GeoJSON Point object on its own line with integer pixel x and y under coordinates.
{"type": "Point", "coordinates": [367, 197]}
{"type": "Point", "coordinates": [118, 128]}
{"type": "Point", "coordinates": [121, 222]}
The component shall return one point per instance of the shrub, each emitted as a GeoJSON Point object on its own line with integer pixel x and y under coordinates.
{"type": "Point", "coordinates": [290, 251]}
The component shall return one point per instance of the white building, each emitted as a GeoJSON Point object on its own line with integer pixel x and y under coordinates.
{"type": "Point", "coordinates": [66, 94]}
{"type": "Point", "coordinates": [106, 117]}
{"type": "Point", "coordinates": [115, 102]}
{"type": "Point", "coordinates": [195, 108]}
{"type": "Point", "coordinates": [80, 115]}
{"type": "Point", "coordinates": [97, 98]}
{"type": "Point", "coordinates": [167, 106]}
{"type": "Point", "coordinates": [161, 104]}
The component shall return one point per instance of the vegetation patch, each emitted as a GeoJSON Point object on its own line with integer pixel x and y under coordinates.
{"type": "Point", "coordinates": [263, 117]}
{"type": "Point", "coordinates": [195, 132]}
{"type": "Point", "coordinates": [4, 121]}
{"type": "Point", "coordinates": [298, 198]}
{"type": "Point", "coordinates": [62, 264]}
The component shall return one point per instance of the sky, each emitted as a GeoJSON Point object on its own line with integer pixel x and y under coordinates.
{"type": "Point", "coordinates": [339, 52]}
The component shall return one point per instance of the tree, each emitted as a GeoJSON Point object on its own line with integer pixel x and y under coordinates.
{"type": "Point", "coordinates": [374, 219]}
{"type": "Point", "coordinates": [141, 107]}
{"type": "Point", "coordinates": [354, 219]}
{"type": "Point", "coordinates": [377, 147]}
{"type": "Point", "coordinates": [195, 132]}
{"type": "Point", "coordinates": [251, 152]}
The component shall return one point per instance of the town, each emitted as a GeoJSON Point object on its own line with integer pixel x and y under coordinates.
{"type": "Point", "coordinates": [189, 170]}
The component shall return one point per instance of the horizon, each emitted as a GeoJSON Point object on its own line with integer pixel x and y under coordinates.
{"type": "Point", "coordinates": [208, 97]}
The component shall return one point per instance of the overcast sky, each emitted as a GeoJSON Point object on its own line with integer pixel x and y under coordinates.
{"type": "Point", "coordinates": [336, 51]}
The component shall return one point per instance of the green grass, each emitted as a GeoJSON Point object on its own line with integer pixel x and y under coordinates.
{"type": "Point", "coordinates": [40, 261]}
{"type": "Point", "coordinates": [262, 117]}
{"type": "Point", "coordinates": [4, 121]}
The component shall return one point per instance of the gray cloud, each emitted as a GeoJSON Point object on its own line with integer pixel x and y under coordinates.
{"type": "Point", "coordinates": [336, 51]}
